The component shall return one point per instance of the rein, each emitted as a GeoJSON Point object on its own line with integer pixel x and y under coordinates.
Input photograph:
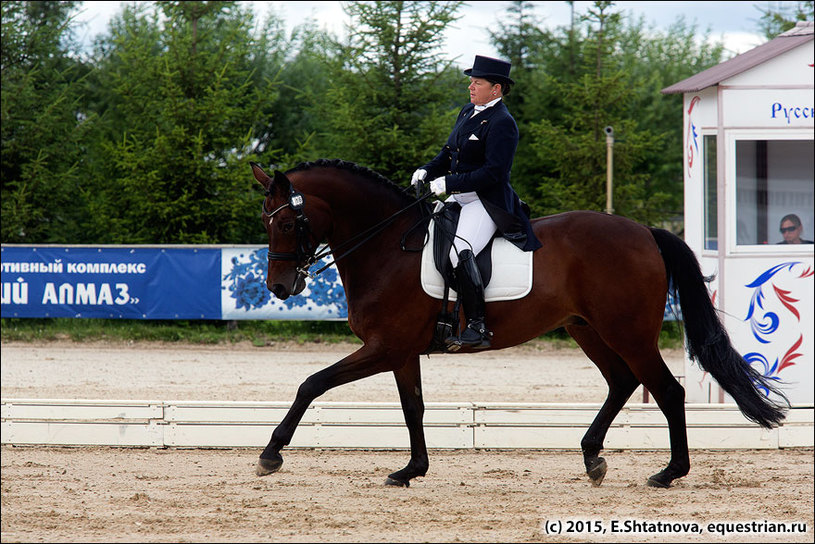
{"type": "Point", "coordinates": [296, 203]}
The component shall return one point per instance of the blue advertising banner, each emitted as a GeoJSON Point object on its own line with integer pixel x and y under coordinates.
{"type": "Point", "coordinates": [111, 282]}
{"type": "Point", "coordinates": [244, 294]}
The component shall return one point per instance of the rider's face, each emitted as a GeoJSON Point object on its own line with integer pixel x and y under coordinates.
{"type": "Point", "coordinates": [482, 91]}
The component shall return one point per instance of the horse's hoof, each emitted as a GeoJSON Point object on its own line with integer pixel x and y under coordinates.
{"type": "Point", "coordinates": [597, 472]}
{"type": "Point", "coordinates": [397, 483]}
{"type": "Point", "coordinates": [268, 466]}
{"type": "Point", "coordinates": [655, 481]}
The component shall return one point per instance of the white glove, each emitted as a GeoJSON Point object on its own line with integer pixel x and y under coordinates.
{"type": "Point", "coordinates": [418, 177]}
{"type": "Point", "coordinates": [439, 186]}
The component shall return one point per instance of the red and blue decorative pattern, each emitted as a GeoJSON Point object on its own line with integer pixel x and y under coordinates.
{"type": "Point", "coordinates": [764, 323]}
{"type": "Point", "coordinates": [692, 136]}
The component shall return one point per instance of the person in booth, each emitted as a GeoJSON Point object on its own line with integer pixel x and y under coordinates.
{"type": "Point", "coordinates": [474, 168]}
{"type": "Point", "coordinates": [791, 230]}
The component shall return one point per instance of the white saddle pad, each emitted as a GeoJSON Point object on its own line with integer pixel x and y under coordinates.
{"type": "Point", "coordinates": [511, 272]}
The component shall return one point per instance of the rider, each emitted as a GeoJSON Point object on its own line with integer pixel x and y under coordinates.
{"type": "Point", "coordinates": [474, 168]}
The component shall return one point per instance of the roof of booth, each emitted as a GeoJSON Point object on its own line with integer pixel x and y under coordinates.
{"type": "Point", "coordinates": [801, 33]}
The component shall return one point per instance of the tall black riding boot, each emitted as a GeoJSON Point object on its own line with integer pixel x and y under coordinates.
{"type": "Point", "coordinates": [471, 291]}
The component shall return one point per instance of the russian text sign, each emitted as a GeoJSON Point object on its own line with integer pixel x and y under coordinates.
{"type": "Point", "coordinates": [111, 282]}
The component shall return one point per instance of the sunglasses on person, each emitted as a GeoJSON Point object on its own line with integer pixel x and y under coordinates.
{"type": "Point", "coordinates": [787, 229]}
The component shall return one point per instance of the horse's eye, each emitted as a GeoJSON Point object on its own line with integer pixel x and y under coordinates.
{"type": "Point", "coordinates": [286, 227]}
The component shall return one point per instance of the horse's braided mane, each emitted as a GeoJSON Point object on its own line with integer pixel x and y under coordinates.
{"type": "Point", "coordinates": [356, 169]}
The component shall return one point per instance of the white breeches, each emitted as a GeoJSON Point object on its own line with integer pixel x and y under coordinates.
{"type": "Point", "coordinates": [475, 228]}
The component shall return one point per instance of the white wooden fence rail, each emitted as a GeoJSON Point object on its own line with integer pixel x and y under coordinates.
{"type": "Point", "coordinates": [146, 423]}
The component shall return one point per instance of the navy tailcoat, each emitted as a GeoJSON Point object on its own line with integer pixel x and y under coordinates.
{"type": "Point", "coordinates": [478, 157]}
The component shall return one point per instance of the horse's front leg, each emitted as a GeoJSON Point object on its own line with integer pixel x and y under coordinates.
{"type": "Point", "coordinates": [364, 362]}
{"type": "Point", "coordinates": [409, 383]}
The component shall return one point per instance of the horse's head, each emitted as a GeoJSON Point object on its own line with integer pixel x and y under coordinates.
{"type": "Point", "coordinates": [291, 241]}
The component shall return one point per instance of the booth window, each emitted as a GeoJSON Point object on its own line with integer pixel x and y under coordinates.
{"type": "Point", "coordinates": [773, 178]}
{"type": "Point", "coordinates": [711, 194]}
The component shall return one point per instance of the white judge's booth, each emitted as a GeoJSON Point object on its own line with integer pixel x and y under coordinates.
{"type": "Point", "coordinates": [748, 163]}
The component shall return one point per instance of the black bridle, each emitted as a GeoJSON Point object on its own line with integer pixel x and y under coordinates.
{"type": "Point", "coordinates": [304, 247]}
{"type": "Point", "coordinates": [305, 254]}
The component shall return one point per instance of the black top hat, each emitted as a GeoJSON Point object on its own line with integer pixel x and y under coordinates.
{"type": "Point", "coordinates": [490, 68]}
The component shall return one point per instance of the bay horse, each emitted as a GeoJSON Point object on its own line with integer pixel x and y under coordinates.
{"type": "Point", "coordinates": [603, 278]}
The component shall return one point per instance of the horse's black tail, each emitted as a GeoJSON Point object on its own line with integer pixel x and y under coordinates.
{"type": "Point", "coordinates": [707, 339]}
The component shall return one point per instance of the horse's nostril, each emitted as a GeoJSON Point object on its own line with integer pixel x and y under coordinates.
{"type": "Point", "coordinates": [279, 291]}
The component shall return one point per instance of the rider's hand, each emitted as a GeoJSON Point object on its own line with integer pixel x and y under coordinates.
{"type": "Point", "coordinates": [438, 186]}
{"type": "Point", "coordinates": [418, 177]}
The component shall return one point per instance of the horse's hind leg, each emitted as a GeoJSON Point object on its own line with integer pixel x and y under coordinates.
{"type": "Point", "coordinates": [670, 397]}
{"type": "Point", "coordinates": [647, 365]}
{"type": "Point", "coordinates": [621, 384]}
{"type": "Point", "coordinates": [409, 383]}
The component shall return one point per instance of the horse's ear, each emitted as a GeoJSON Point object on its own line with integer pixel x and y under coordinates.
{"type": "Point", "coordinates": [261, 176]}
{"type": "Point", "coordinates": [283, 181]}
